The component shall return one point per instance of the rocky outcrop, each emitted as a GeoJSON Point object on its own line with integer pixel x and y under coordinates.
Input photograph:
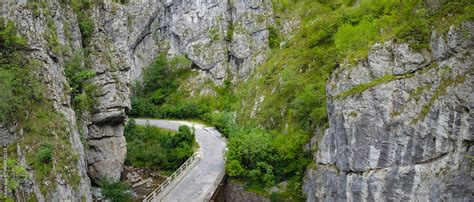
{"type": "Point", "coordinates": [235, 192]}
{"type": "Point", "coordinates": [409, 135]}
{"type": "Point", "coordinates": [218, 36]}
{"type": "Point", "coordinates": [111, 61]}
{"type": "Point", "coordinates": [36, 28]}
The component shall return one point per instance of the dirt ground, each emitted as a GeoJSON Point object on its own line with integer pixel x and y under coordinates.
{"type": "Point", "coordinates": [130, 174]}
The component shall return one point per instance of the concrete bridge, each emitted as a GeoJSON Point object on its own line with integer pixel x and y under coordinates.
{"type": "Point", "coordinates": [198, 178]}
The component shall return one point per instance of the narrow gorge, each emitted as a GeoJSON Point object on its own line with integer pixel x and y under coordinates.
{"type": "Point", "coordinates": [344, 100]}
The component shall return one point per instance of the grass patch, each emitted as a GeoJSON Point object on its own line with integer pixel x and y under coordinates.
{"type": "Point", "coordinates": [363, 87]}
{"type": "Point", "coordinates": [358, 89]}
{"type": "Point", "coordinates": [274, 38]}
{"type": "Point", "coordinates": [440, 91]}
{"type": "Point", "coordinates": [213, 34]}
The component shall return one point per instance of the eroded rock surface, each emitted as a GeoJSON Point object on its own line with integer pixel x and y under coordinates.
{"type": "Point", "coordinates": [219, 36]}
{"type": "Point", "coordinates": [409, 138]}
{"type": "Point", "coordinates": [34, 27]}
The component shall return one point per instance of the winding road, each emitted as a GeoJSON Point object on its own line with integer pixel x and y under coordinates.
{"type": "Point", "coordinates": [199, 183]}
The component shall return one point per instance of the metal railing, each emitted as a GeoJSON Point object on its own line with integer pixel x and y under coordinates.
{"type": "Point", "coordinates": [214, 187]}
{"type": "Point", "coordinates": [191, 160]}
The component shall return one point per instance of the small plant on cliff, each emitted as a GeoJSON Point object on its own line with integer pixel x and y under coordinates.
{"type": "Point", "coordinates": [15, 174]}
{"type": "Point", "coordinates": [45, 153]}
{"type": "Point", "coordinates": [274, 38]}
{"type": "Point", "coordinates": [86, 26]}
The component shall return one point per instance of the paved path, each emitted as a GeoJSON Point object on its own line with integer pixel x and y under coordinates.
{"type": "Point", "coordinates": [200, 180]}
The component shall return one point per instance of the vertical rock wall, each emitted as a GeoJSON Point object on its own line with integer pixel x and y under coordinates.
{"type": "Point", "coordinates": [409, 138]}
{"type": "Point", "coordinates": [220, 37]}
{"type": "Point", "coordinates": [34, 27]}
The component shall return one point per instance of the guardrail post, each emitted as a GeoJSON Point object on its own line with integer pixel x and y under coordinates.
{"type": "Point", "coordinates": [173, 176]}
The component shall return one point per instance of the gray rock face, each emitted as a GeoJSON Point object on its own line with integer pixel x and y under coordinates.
{"type": "Point", "coordinates": [235, 192]}
{"type": "Point", "coordinates": [34, 27]}
{"type": "Point", "coordinates": [219, 36]}
{"type": "Point", "coordinates": [406, 139]}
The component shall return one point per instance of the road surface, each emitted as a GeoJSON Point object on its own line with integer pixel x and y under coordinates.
{"type": "Point", "coordinates": [200, 180]}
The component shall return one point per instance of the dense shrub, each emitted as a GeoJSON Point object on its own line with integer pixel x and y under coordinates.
{"type": "Point", "coordinates": [222, 121]}
{"type": "Point", "coordinates": [45, 153]}
{"type": "Point", "coordinates": [273, 37]}
{"type": "Point", "coordinates": [350, 38]}
{"type": "Point", "coordinates": [265, 158]}
{"type": "Point", "coordinates": [115, 191]}
{"type": "Point", "coordinates": [157, 95]}
{"type": "Point", "coordinates": [156, 148]}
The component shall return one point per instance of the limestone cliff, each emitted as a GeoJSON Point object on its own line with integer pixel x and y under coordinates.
{"type": "Point", "coordinates": [34, 27]}
{"type": "Point", "coordinates": [124, 39]}
{"type": "Point", "coordinates": [408, 134]}
{"type": "Point", "coordinates": [220, 37]}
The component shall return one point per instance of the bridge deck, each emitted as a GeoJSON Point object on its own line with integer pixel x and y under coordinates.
{"type": "Point", "coordinates": [200, 182]}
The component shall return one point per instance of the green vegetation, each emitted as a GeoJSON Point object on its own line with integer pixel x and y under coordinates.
{"type": "Point", "coordinates": [36, 6]}
{"type": "Point", "coordinates": [122, 1]}
{"type": "Point", "coordinates": [20, 90]}
{"type": "Point", "coordinates": [82, 92]}
{"type": "Point", "coordinates": [265, 158]}
{"type": "Point", "coordinates": [115, 191]}
{"type": "Point", "coordinates": [362, 87]}
{"type": "Point", "coordinates": [274, 39]}
{"type": "Point", "coordinates": [23, 103]}
{"type": "Point", "coordinates": [439, 91]}
{"type": "Point", "coordinates": [44, 153]}
{"type": "Point", "coordinates": [230, 32]}
{"type": "Point", "coordinates": [15, 173]}
{"type": "Point", "coordinates": [156, 148]}
{"type": "Point", "coordinates": [213, 34]}
{"type": "Point", "coordinates": [81, 8]}
{"type": "Point", "coordinates": [158, 96]}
